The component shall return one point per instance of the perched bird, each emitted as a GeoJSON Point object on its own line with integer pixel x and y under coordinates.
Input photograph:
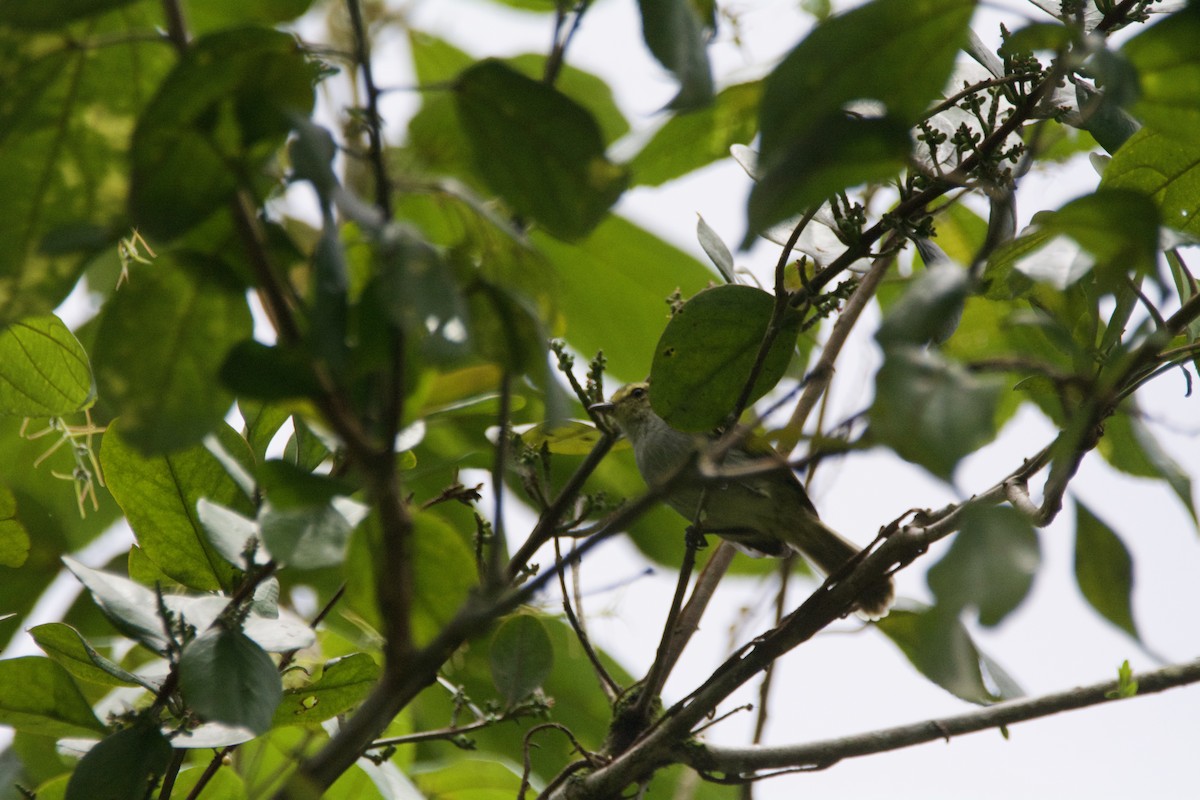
{"type": "Point", "coordinates": [767, 513]}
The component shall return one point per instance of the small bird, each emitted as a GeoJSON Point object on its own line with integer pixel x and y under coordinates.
{"type": "Point", "coordinates": [766, 513]}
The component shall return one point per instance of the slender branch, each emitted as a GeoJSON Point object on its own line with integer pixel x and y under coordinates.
{"type": "Point", "coordinates": [610, 687]}
{"type": "Point", "coordinates": [821, 374]}
{"type": "Point", "coordinates": [742, 761]}
{"type": "Point", "coordinates": [362, 54]}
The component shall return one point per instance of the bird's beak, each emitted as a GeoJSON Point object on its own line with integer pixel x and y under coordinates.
{"type": "Point", "coordinates": [605, 406]}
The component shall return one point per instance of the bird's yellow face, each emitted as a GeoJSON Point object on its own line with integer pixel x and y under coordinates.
{"type": "Point", "coordinates": [630, 406]}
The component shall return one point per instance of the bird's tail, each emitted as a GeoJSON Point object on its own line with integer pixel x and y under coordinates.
{"type": "Point", "coordinates": [830, 551]}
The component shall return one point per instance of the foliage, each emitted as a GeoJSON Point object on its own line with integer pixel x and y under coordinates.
{"type": "Point", "coordinates": [279, 404]}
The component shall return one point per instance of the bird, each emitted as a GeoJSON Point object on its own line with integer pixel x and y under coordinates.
{"type": "Point", "coordinates": [764, 513]}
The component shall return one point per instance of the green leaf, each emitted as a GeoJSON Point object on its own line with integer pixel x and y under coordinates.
{"type": "Point", "coordinates": [131, 607]}
{"type": "Point", "coordinates": [230, 533]}
{"type": "Point", "coordinates": [288, 486]}
{"type": "Point", "coordinates": [690, 141]}
{"type": "Point", "coordinates": [470, 779]}
{"type": "Point", "coordinates": [803, 116]}
{"type": "Point", "coordinates": [1168, 73]}
{"type": "Point", "coordinates": [1165, 169]}
{"type": "Point", "coordinates": [66, 119]}
{"type": "Point", "coordinates": [620, 266]}
{"type": "Point", "coordinates": [160, 347]}
{"type": "Point", "coordinates": [125, 765]}
{"type": "Point", "coordinates": [221, 114]}
{"type": "Point", "coordinates": [675, 35]}
{"type": "Point", "coordinates": [938, 645]}
{"type": "Point", "coordinates": [38, 696]}
{"type": "Point", "coordinates": [521, 657]}
{"type": "Point", "coordinates": [1126, 685]}
{"type": "Point", "coordinates": [309, 537]}
{"type": "Point", "coordinates": [206, 15]}
{"type": "Point", "coordinates": [44, 371]}
{"type": "Point", "coordinates": [929, 310]}
{"type": "Point", "coordinates": [159, 496]}
{"type": "Point", "coordinates": [707, 350]}
{"type": "Point", "coordinates": [990, 565]}
{"type": "Point", "coordinates": [67, 646]}
{"type": "Point", "coordinates": [343, 684]}
{"type": "Point", "coordinates": [14, 539]}
{"type": "Point", "coordinates": [931, 411]}
{"type": "Point", "coordinates": [1118, 227]}
{"type": "Point", "coordinates": [52, 14]}
{"type": "Point", "coordinates": [503, 328]}
{"type": "Point", "coordinates": [226, 677]}
{"type": "Point", "coordinates": [443, 570]}
{"type": "Point", "coordinates": [1104, 569]}
{"type": "Point", "coordinates": [538, 149]}
{"type": "Point", "coordinates": [264, 372]}
{"type": "Point", "coordinates": [1037, 36]}
{"type": "Point", "coordinates": [1130, 446]}
{"type": "Point", "coordinates": [567, 438]}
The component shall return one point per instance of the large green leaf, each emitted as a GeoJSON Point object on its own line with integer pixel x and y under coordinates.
{"type": "Point", "coordinates": [161, 345]}
{"type": "Point", "coordinates": [38, 696]}
{"type": "Point", "coordinates": [65, 119]}
{"type": "Point", "coordinates": [67, 646]}
{"type": "Point", "coordinates": [620, 266]}
{"type": "Point", "coordinates": [226, 677]}
{"type": "Point", "coordinates": [931, 411]}
{"type": "Point", "coordinates": [690, 141]}
{"type": "Point", "coordinates": [1130, 446]}
{"type": "Point", "coordinates": [214, 122]}
{"type": "Point", "coordinates": [44, 371]}
{"type": "Point", "coordinates": [521, 657]}
{"type": "Point", "coordinates": [342, 684]}
{"type": "Point", "coordinates": [159, 495]}
{"type": "Point", "coordinates": [704, 357]}
{"type": "Point", "coordinates": [14, 539]}
{"type": "Point", "coordinates": [990, 566]}
{"type": "Point", "coordinates": [1169, 74]}
{"type": "Point", "coordinates": [675, 35]}
{"type": "Point", "coordinates": [127, 764]}
{"type": "Point", "coordinates": [1164, 168]}
{"type": "Point", "coordinates": [539, 150]}
{"type": "Point", "coordinates": [938, 645]}
{"type": "Point", "coordinates": [52, 14]}
{"type": "Point", "coordinates": [811, 146]}
{"type": "Point", "coordinates": [1104, 569]}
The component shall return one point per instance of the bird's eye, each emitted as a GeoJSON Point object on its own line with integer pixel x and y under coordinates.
{"type": "Point", "coordinates": [638, 393]}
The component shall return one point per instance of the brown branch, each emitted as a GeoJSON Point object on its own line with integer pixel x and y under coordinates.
{"type": "Point", "coordinates": [743, 761]}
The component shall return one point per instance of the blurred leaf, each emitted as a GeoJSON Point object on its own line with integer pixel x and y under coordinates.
{"type": "Point", "coordinates": [1168, 73]}
{"type": "Point", "coordinates": [521, 657]}
{"type": "Point", "coordinates": [538, 149]}
{"type": "Point", "coordinates": [343, 684]}
{"type": "Point", "coordinates": [1104, 570]}
{"type": "Point", "coordinates": [689, 141]}
{"type": "Point", "coordinates": [1118, 227]}
{"type": "Point", "coordinates": [288, 486]}
{"type": "Point", "coordinates": [67, 646]}
{"type": "Point", "coordinates": [584, 88]}
{"type": "Point", "coordinates": [990, 565]}
{"type": "Point", "coordinates": [1165, 169]}
{"type": "Point", "coordinates": [470, 779]}
{"type": "Point", "coordinates": [1108, 123]}
{"type": "Point", "coordinates": [126, 765]}
{"type": "Point", "coordinates": [38, 696]}
{"type": "Point", "coordinates": [675, 35]}
{"type": "Point", "coordinates": [265, 372]}
{"type": "Point", "coordinates": [567, 438]}
{"type": "Point", "coordinates": [620, 266]}
{"type": "Point", "coordinates": [160, 346]}
{"type": "Point", "coordinates": [705, 354]}
{"type": "Point", "coordinates": [221, 114]}
{"type": "Point", "coordinates": [443, 570]}
{"type": "Point", "coordinates": [230, 533]}
{"type": "Point", "coordinates": [503, 328]}
{"type": "Point", "coordinates": [931, 411]}
{"type": "Point", "coordinates": [226, 677]}
{"type": "Point", "coordinates": [938, 645]}
{"type": "Point", "coordinates": [1130, 446]}
{"type": "Point", "coordinates": [51, 14]}
{"type": "Point", "coordinates": [1037, 36]}
{"type": "Point", "coordinates": [206, 15]}
{"type": "Point", "coordinates": [44, 371]}
{"type": "Point", "coordinates": [66, 116]}
{"type": "Point", "coordinates": [14, 539]}
{"type": "Point", "coordinates": [309, 537]}
{"type": "Point", "coordinates": [717, 252]}
{"type": "Point", "coordinates": [159, 496]}
{"type": "Point", "coordinates": [810, 148]}
{"type": "Point", "coordinates": [928, 310]}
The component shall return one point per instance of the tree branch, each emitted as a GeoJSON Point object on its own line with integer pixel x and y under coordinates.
{"type": "Point", "coordinates": [743, 761]}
